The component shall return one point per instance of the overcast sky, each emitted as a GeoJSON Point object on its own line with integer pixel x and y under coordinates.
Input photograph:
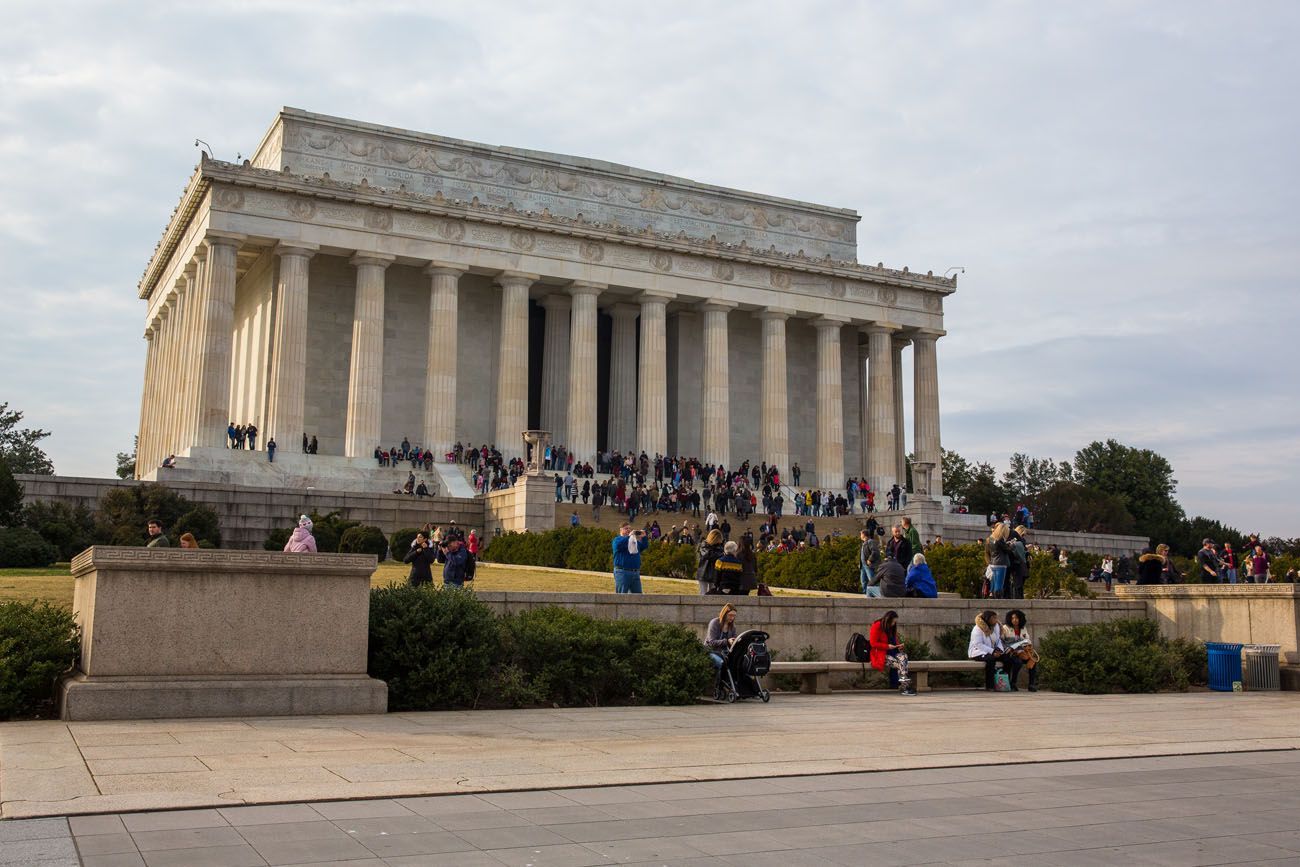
{"type": "Point", "coordinates": [1120, 181]}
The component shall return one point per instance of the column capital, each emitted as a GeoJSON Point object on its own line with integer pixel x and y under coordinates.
{"type": "Point", "coordinates": [778, 313]}
{"type": "Point", "coordinates": [624, 310]}
{"type": "Point", "coordinates": [655, 296]}
{"type": "Point", "coordinates": [379, 260]}
{"type": "Point", "coordinates": [515, 278]}
{"type": "Point", "coordinates": [878, 328]}
{"type": "Point", "coordinates": [928, 334]}
{"type": "Point", "coordinates": [171, 298]}
{"type": "Point", "coordinates": [149, 330]}
{"type": "Point", "coordinates": [437, 268]}
{"type": "Point", "coordinates": [901, 340]}
{"type": "Point", "coordinates": [181, 283]}
{"type": "Point", "coordinates": [714, 305]}
{"type": "Point", "coordinates": [829, 322]}
{"type": "Point", "coordinates": [557, 301]}
{"type": "Point", "coordinates": [223, 239]}
{"type": "Point", "coordinates": [294, 248]}
{"type": "Point", "coordinates": [580, 287]}
{"type": "Point", "coordinates": [191, 269]}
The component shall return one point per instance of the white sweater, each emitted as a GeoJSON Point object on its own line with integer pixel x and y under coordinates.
{"type": "Point", "coordinates": [981, 643]}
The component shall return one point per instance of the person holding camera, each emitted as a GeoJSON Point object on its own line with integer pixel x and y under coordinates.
{"type": "Point", "coordinates": [627, 547]}
{"type": "Point", "coordinates": [422, 556]}
{"type": "Point", "coordinates": [457, 562]}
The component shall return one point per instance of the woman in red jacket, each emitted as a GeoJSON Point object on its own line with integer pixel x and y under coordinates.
{"type": "Point", "coordinates": [887, 652]}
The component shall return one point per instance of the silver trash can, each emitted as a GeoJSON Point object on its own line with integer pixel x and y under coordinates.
{"type": "Point", "coordinates": [1262, 668]}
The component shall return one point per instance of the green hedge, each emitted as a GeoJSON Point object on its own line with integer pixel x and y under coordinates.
{"type": "Point", "coordinates": [364, 539]}
{"type": "Point", "coordinates": [38, 643]}
{"type": "Point", "coordinates": [441, 648]}
{"type": "Point", "coordinates": [588, 548]}
{"type": "Point", "coordinates": [20, 546]}
{"type": "Point", "coordinates": [400, 542]}
{"type": "Point", "coordinates": [1118, 656]}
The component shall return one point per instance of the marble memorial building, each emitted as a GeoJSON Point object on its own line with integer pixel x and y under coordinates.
{"type": "Point", "coordinates": [364, 284]}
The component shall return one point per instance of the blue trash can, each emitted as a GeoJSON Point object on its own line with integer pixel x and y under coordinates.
{"type": "Point", "coordinates": [1224, 664]}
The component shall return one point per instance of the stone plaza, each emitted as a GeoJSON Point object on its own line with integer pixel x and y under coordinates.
{"type": "Point", "coordinates": [365, 284]}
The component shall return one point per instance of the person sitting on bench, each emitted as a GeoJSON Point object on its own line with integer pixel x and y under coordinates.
{"type": "Point", "coordinates": [986, 645]}
{"type": "Point", "coordinates": [888, 654]}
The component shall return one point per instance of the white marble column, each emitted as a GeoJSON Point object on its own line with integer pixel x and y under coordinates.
{"type": "Point", "coordinates": [366, 367]}
{"type": "Point", "coordinates": [440, 383]}
{"type": "Point", "coordinates": [652, 376]}
{"type": "Point", "coordinates": [900, 422]}
{"type": "Point", "coordinates": [715, 386]}
{"type": "Point", "coordinates": [882, 457]}
{"type": "Point", "coordinates": [864, 416]}
{"type": "Point", "coordinates": [830, 405]}
{"type": "Point", "coordinates": [555, 368]}
{"type": "Point", "coordinates": [621, 433]}
{"type": "Point", "coordinates": [144, 445]}
{"type": "Point", "coordinates": [512, 368]}
{"type": "Point", "coordinates": [217, 335]}
{"type": "Point", "coordinates": [187, 396]}
{"type": "Point", "coordinates": [774, 418]}
{"type": "Point", "coordinates": [164, 410]}
{"type": "Point", "coordinates": [581, 426]}
{"type": "Point", "coordinates": [925, 411]}
{"type": "Point", "coordinates": [288, 395]}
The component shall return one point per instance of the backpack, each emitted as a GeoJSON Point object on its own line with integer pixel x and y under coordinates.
{"type": "Point", "coordinates": [757, 661]}
{"type": "Point", "coordinates": [858, 649]}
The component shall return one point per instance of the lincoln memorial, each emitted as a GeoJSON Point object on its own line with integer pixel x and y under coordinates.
{"type": "Point", "coordinates": [364, 284]}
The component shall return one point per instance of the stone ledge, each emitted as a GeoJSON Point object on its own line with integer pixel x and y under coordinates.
{"type": "Point", "coordinates": [96, 698]}
{"type": "Point", "coordinates": [182, 560]}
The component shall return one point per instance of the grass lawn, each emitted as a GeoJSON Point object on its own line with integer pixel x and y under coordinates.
{"type": "Point", "coordinates": [55, 583]}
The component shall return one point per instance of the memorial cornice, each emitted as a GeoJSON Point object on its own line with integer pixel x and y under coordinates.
{"type": "Point", "coordinates": [325, 188]}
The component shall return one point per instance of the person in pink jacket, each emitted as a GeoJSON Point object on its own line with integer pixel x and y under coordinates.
{"type": "Point", "coordinates": [301, 541]}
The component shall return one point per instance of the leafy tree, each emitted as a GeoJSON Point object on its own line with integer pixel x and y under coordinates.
{"type": "Point", "coordinates": [1143, 480]}
{"type": "Point", "coordinates": [18, 446]}
{"type": "Point", "coordinates": [985, 494]}
{"type": "Point", "coordinates": [11, 498]}
{"type": "Point", "coordinates": [1029, 477]}
{"type": "Point", "coordinates": [957, 474]}
{"type": "Point", "coordinates": [126, 463]}
{"type": "Point", "coordinates": [1071, 506]}
{"type": "Point", "coordinates": [69, 528]}
{"type": "Point", "coordinates": [1187, 539]}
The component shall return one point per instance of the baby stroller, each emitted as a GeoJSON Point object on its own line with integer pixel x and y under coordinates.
{"type": "Point", "coordinates": [746, 662]}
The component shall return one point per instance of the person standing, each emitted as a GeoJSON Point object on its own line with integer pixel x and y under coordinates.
{"type": "Point", "coordinates": [156, 537]}
{"type": "Point", "coordinates": [1259, 565]}
{"type": "Point", "coordinates": [627, 559]}
{"type": "Point", "coordinates": [1229, 559]}
{"type": "Point", "coordinates": [1107, 571]}
{"type": "Point", "coordinates": [998, 555]}
{"type": "Point", "coordinates": [1018, 566]}
{"type": "Point", "coordinates": [913, 536]}
{"type": "Point", "coordinates": [251, 433]}
{"type": "Point", "coordinates": [421, 557]}
{"type": "Point", "coordinates": [304, 443]}
{"type": "Point", "coordinates": [1207, 563]}
{"type": "Point", "coordinates": [706, 566]}
{"type": "Point", "coordinates": [899, 548]}
{"type": "Point", "coordinates": [315, 445]}
{"type": "Point", "coordinates": [457, 563]}
{"type": "Point", "coordinates": [270, 450]}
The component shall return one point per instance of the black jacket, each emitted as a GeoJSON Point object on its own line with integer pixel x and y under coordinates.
{"type": "Point", "coordinates": [421, 560]}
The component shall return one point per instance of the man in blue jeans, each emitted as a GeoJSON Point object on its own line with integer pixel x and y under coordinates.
{"type": "Point", "coordinates": [627, 559]}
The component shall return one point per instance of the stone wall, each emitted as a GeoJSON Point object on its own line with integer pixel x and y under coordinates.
{"type": "Point", "coordinates": [824, 623]}
{"type": "Point", "coordinates": [1236, 613]}
{"type": "Point", "coordinates": [248, 515]}
{"type": "Point", "coordinates": [961, 529]}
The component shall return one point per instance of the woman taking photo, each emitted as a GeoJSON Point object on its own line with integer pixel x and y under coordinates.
{"type": "Point", "coordinates": [887, 653]}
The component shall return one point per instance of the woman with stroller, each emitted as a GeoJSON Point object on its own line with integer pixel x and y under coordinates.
{"type": "Point", "coordinates": [1016, 629]}
{"type": "Point", "coordinates": [706, 572]}
{"type": "Point", "coordinates": [888, 654]}
{"type": "Point", "coordinates": [986, 645]}
{"type": "Point", "coordinates": [719, 638]}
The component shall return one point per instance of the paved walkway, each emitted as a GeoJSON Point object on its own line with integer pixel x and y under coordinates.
{"type": "Point", "coordinates": [54, 768]}
{"type": "Point", "coordinates": [1184, 810]}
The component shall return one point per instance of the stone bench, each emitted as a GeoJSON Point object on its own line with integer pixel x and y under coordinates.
{"type": "Point", "coordinates": [817, 675]}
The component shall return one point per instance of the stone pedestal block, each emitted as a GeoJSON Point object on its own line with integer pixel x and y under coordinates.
{"type": "Point", "coordinates": [176, 633]}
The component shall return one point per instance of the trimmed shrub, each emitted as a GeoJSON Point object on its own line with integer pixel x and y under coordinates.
{"type": "Point", "coordinates": [669, 561]}
{"type": "Point", "coordinates": [570, 658]}
{"type": "Point", "coordinates": [364, 539]}
{"type": "Point", "coordinates": [20, 547]}
{"type": "Point", "coordinates": [1116, 656]}
{"type": "Point", "coordinates": [69, 528]}
{"type": "Point", "coordinates": [668, 663]}
{"type": "Point", "coordinates": [123, 513]}
{"type": "Point", "coordinates": [38, 643]}
{"type": "Point", "coordinates": [832, 566]}
{"type": "Point", "coordinates": [588, 548]}
{"type": "Point", "coordinates": [203, 523]}
{"type": "Point", "coordinates": [435, 648]}
{"type": "Point", "coordinates": [957, 568]}
{"type": "Point", "coordinates": [400, 542]}
{"type": "Point", "coordinates": [1047, 578]}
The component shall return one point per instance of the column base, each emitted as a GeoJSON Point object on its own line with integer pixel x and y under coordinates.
{"type": "Point", "coordinates": [117, 698]}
